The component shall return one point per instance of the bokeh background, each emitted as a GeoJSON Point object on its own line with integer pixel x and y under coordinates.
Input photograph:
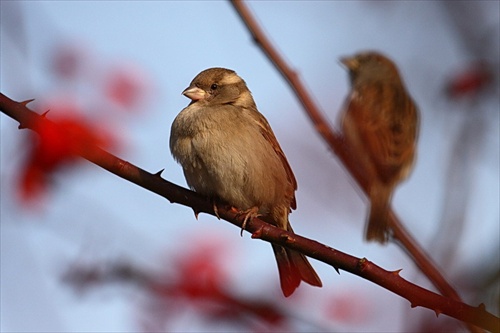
{"type": "Point", "coordinates": [92, 252]}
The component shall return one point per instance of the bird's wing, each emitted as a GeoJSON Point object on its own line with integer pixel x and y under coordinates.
{"type": "Point", "coordinates": [388, 135]}
{"type": "Point", "coordinates": [267, 133]}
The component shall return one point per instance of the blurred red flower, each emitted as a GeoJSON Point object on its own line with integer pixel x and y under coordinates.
{"type": "Point", "coordinates": [348, 308]}
{"type": "Point", "coordinates": [200, 280]}
{"type": "Point", "coordinates": [473, 79]}
{"type": "Point", "coordinates": [127, 87]}
{"type": "Point", "coordinates": [56, 146]}
{"type": "Point", "coordinates": [68, 61]}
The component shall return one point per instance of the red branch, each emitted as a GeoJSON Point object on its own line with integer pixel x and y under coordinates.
{"type": "Point", "coordinates": [392, 281]}
{"type": "Point", "coordinates": [335, 141]}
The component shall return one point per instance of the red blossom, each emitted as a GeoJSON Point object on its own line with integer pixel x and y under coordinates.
{"type": "Point", "coordinates": [126, 86]}
{"type": "Point", "coordinates": [54, 147]}
{"type": "Point", "coordinates": [348, 308]}
{"type": "Point", "coordinates": [470, 81]}
{"type": "Point", "coordinates": [68, 61]}
{"type": "Point", "coordinates": [201, 281]}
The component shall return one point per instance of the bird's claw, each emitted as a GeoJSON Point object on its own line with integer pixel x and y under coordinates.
{"type": "Point", "coordinates": [249, 214]}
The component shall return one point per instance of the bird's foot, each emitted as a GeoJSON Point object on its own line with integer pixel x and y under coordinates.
{"type": "Point", "coordinates": [249, 214]}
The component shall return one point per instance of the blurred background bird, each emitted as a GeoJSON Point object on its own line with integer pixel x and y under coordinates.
{"type": "Point", "coordinates": [380, 127]}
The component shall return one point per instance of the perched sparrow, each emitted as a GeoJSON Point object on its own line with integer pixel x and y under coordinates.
{"type": "Point", "coordinates": [380, 125]}
{"type": "Point", "coordinates": [229, 152]}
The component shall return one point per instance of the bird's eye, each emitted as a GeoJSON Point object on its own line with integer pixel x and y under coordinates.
{"type": "Point", "coordinates": [214, 86]}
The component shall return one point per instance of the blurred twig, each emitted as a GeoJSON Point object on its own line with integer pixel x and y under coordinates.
{"type": "Point", "coordinates": [182, 285]}
{"type": "Point", "coordinates": [392, 281]}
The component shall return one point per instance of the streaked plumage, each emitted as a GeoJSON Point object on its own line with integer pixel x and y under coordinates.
{"type": "Point", "coordinates": [380, 126]}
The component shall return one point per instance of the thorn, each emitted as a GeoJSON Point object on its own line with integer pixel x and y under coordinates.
{"type": "Point", "coordinates": [26, 102]}
{"type": "Point", "coordinates": [257, 234]}
{"type": "Point", "coordinates": [216, 211]}
{"type": "Point", "coordinates": [21, 126]}
{"type": "Point", "coordinates": [413, 305]}
{"type": "Point", "coordinates": [158, 174]}
{"type": "Point", "coordinates": [288, 239]}
{"type": "Point", "coordinates": [44, 115]}
{"type": "Point", "coordinates": [196, 213]}
{"type": "Point", "coordinates": [336, 270]}
{"type": "Point", "coordinates": [362, 264]}
{"type": "Point", "coordinates": [438, 312]}
{"type": "Point", "coordinates": [396, 272]}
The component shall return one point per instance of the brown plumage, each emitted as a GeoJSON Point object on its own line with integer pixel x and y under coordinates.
{"type": "Point", "coordinates": [380, 126]}
{"type": "Point", "coordinates": [228, 151]}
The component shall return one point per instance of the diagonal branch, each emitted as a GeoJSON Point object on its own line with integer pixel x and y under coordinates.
{"type": "Point", "coordinates": [392, 281]}
{"type": "Point", "coordinates": [335, 141]}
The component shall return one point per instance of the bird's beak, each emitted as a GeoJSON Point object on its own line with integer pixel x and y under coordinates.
{"type": "Point", "coordinates": [194, 93]}
{"type": "Point", "coordinates": [351, 63]}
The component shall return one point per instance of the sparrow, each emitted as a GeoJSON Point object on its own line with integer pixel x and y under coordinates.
{"type": "Point", "coordinates": [228, 152]}
{"type": "Point", "coordinates": [380, 127]}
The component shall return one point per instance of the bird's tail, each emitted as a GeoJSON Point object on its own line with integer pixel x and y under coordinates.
{"type": "Point", "coordinates": [378, 219]}
{"type": "Point", "coordinates": [293, 268]}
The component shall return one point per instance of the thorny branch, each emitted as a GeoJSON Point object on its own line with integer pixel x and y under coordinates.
{"type": "Point", "coordinates": [392, 281]}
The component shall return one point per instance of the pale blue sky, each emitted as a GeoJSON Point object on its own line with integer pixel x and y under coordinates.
{"type": "Point", "coordinates": [93, 215]}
